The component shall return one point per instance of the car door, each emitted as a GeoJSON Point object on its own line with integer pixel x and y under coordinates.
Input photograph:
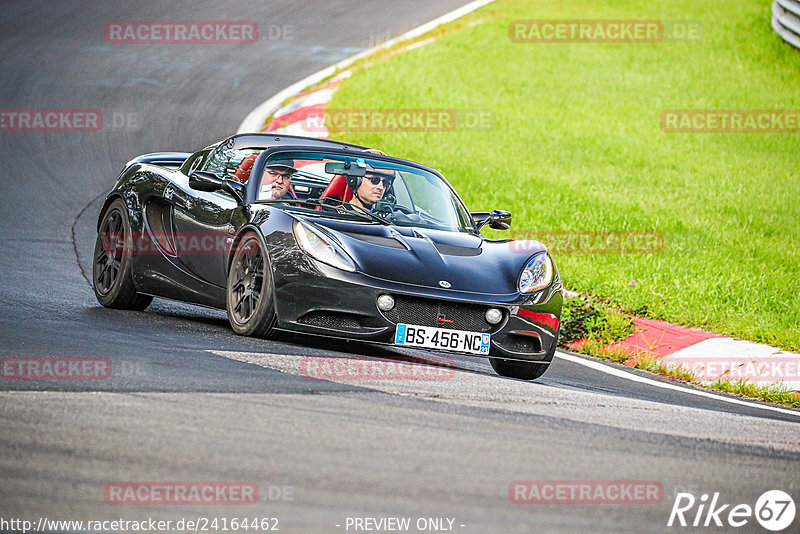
{"type": "Point", "coordinates": [203, 219]}
{"type": "Point", "coordinates": [203, 232]}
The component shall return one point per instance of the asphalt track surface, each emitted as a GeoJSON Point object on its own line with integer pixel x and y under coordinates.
{"type": "Point", "coordinates": [190, 401]}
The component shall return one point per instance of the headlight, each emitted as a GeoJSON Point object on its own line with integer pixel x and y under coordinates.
{"type": "Point", "coordinates": [537, 274]}
{"type": "Point", "coordinates": [321, 247]}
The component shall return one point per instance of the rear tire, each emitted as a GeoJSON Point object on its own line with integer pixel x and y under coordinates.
{"type": "Point", "coordinates": [111, 265]}
{"type": "Point", "coordinates": [250, 301]}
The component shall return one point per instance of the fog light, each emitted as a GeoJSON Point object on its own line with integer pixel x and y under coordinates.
{"type": "Point", "coordinates": [493, 316]}
{"type": "Point", "coordinates": [385, 302]}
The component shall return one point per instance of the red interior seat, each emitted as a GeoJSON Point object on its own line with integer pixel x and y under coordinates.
{"type": "Point", "coordinates": [243, 170]}
{"type": "Point", "coordinates": [338, 188]}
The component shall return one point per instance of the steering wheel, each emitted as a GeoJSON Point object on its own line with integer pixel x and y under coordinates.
{"type": "Point", "coordinates": [388, 206]}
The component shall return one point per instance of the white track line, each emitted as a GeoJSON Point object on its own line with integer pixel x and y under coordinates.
{"type": "Point", "coordinates": [597, 366]}
{"type": "Point", "coordinates": [254, 122]}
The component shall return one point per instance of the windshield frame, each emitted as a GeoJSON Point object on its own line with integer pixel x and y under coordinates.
{"type": "Point", "coordinates": [266, 154]}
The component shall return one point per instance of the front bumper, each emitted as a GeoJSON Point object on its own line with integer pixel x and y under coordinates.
{"type": "Point", "coordinates": [322, 300]}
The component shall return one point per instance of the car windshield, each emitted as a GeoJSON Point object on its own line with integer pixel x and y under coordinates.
{"type": "Point", "coordinates": [408, 196]}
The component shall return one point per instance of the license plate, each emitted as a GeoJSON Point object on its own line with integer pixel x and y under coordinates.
{"type": "Point", "coordinates": [430, 337]}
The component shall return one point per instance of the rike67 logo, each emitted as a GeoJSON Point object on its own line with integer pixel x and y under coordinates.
{"type": "Point", "coordinates": [774, 510]}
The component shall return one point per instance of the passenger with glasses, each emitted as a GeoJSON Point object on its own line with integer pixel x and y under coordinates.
{"type": "Point", "coordinates": [276, 182]}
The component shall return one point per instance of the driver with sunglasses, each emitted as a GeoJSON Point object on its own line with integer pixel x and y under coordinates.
{"type": "Point", "coordinates": [371, 188]}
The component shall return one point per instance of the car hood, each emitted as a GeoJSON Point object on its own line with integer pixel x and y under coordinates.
{"type": "Point", "coordinates": [434, 258]}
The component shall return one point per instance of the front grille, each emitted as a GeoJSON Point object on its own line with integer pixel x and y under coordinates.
{"type": "Point", "coordinates": [327, 319]}
{"type": "Point", "coordinates": [426, 312]}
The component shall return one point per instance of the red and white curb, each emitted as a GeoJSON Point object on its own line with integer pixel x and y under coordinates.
{"type": "Point", "coordinates": [305, 115]}
{"type": "Point", "coordinates": [709, 356]}
{"type": "Point", "coordinates": [256, 119]}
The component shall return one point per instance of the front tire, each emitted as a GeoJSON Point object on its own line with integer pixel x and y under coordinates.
{"type": "Point", "coordinates": [525, 370]}
{"type": "Point", "coordinates": [250, 301]}
{"type": "Point", "coordinates": [519, 370]}
{"type": "Point", "coordinates": [111, 265]}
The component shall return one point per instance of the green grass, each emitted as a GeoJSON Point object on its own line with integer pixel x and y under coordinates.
{"type": "Point", "coordinates": [775, 393]}
{"type": "Point", "coordinates": [595, 322]}
{"type": "Point", "coordinates": [576, 146]}
{"type": "Point", "coordinates": [770, 393]}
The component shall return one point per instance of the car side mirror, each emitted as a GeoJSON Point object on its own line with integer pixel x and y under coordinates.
{"type": "Point", "coordinates": [205, 181]}
{"type": "Point", "coordinates": [496, 219]}
{"type": "Point", "coordinates": [210, 182]}
{"type": "Point", "coordinates": [500, 220]}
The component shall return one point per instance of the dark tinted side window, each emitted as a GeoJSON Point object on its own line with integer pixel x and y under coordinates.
{"type": "Point", "coordinates": [224, 161]}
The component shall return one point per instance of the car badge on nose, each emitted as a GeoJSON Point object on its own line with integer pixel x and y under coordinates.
{"type": "Point", "coordinates": [444, 283]}
{"type": "Point", "coordinates": [442, 318]}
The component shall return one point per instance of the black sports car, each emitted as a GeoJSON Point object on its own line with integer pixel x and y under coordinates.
{"type": "Point", "coordinates": [273, 229]}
